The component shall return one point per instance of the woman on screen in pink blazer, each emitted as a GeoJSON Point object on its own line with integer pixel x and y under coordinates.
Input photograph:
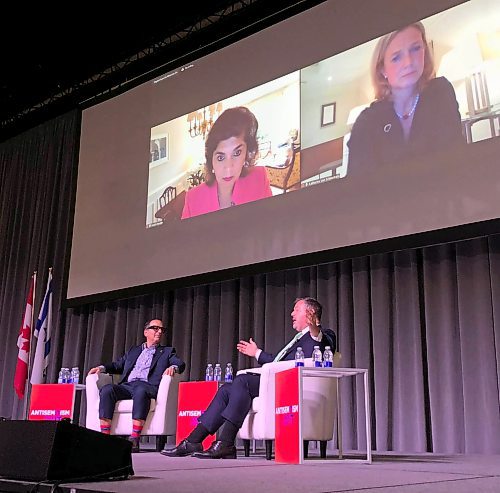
{"type": "Point", "coordinates": [231, 178]}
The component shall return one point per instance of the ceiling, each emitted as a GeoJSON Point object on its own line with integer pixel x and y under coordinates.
{"type": "Point", "coordinates": [51, 61]}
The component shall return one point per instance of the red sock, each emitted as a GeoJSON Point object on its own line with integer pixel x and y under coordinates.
{"type": "Point", "coordinates": [106, 429]}
{"type": "Point", "coordinates": [136, 431]}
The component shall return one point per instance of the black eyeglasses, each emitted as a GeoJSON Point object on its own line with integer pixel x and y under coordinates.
{"type": "Point", "coordinates": [156, 328]}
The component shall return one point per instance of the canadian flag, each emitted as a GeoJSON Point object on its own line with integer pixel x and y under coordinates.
{"type": "Point", "coordinates": [23, 343]}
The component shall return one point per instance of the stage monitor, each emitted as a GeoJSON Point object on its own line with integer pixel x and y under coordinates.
{"type": "Point", "coordinates": [59, 450]}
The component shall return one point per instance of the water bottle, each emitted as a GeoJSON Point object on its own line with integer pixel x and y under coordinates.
{"type": "Point", "coordinates": [228, 376]}
{"type": "Point", "coordinates": [60, 377]}
{"type": "Point", "coordinates": [299, 357]}
{"type": "Point", "coordinates": [328, 358]}
{"type": "Point", "coordinates": [75, 375]}
{"type": "Point", "coordinates": [317, 357]}
{"type": "Point", "coordinates": [217, 372]}
{"type": "Point", "coordinates": [209, 373]}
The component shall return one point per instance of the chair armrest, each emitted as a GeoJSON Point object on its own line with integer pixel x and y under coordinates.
{"type": "Point", "coordinates": [277, 366]}
{"type": "Point", "coordinates": [250, 370]}
{"type": "Point", "coordinates": [163, 389]}
{"type": "Point", "coordinates": [267, 385]}
{"type": "Point", "coordinates": [274, 367]}
{"type": "Point", "coordinates": [164, 419]}
{"type": "Point", "coordinates": [93, 384]}
{"type": "Point", "coordinates": [260, 423]}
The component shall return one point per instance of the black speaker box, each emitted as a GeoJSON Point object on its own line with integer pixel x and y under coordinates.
{"type": "Point", "coordinates": [59, 450]}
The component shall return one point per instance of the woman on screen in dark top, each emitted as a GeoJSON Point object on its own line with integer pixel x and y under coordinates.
{"type": "Point", "coordinates": [414, 113]}
{"type": "Point", "coordinates": [231, 178]}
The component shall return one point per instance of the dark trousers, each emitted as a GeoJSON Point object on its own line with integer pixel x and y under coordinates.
{"type": "Point", "coordinates": [140, 392]}
{"type": "Point", "coordinates": [232, 402]}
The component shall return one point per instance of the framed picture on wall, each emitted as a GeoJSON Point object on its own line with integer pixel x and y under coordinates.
{"type": "Point", "coordinates": [159, 148]}
{"type": "Point", "coordinates": [328, 114]}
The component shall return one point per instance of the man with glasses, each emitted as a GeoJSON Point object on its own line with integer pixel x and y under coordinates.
{"type": "Point", "coordinates": [141, 369]}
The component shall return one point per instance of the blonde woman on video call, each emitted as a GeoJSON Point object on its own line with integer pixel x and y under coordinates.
{"type": "Point", "coordinates": [414, 113]}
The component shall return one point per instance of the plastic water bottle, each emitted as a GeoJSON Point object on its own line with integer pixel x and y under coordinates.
{"type": "Point", "coordinates": [217, 372]}
{"type": "Point", "coordinates": [75, 375]}
{"type": "Point", "coordinates": [299, 357]}
{"type": "Point", "coordinates": [66, 375]}
{"type": "Point", "coordinates": [328, 358]}
{"type": "Point", "coordinates": [61, 375]}
{"type": "Point", "coordinates": [209, 373]}
{"type": "Point", "coordinates": [317, 357]}
{"type": "Point", "coordinates": [228, 376]}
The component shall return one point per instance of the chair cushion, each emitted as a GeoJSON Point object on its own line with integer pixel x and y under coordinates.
{"type": "Point", "coordinates": [125, 406]}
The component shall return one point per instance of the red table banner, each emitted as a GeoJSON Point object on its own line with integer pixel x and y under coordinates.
{"type": "Point", "coordinates": [52, 401]}
{"type": "Point", "coordinates": [287, 417]}
{"type": "Point", "coordinates": [194, 398]}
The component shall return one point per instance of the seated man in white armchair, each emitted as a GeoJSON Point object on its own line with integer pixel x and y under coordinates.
{"type": "Point", "coordinates": [232, 402]}
{"type": "Point", "coordinates": [141, 369]}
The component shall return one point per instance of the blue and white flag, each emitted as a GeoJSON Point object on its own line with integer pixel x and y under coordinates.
{"type": "Point", "coordinates": [42, 333]}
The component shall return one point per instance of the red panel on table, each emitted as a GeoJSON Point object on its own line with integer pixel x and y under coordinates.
{"type": "Point", "coordinates": [287, 417]}
{"type": "Point", "coordinates": [194, 398]}
{"type": "Point", "coordinates": [51, 401]}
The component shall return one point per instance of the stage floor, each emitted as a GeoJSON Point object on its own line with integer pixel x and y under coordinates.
{"type": "Point", "coordinates": [415, 473]}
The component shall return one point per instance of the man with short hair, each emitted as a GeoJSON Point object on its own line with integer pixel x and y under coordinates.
{"type": "Point", "coordinates": [229, 407]}
{"type": "Point", "coordinates": [141, 369]}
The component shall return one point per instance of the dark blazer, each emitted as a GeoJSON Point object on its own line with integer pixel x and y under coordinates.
{"type": "Point", "coordinates": [163, 358]}
{"type": "Point", "coordinates": [307, 343]}
{"type": "Point", "coordinates": [377, 136]}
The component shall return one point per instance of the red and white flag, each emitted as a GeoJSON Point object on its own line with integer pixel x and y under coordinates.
{"type": "Point", "coordinates": [23, 343]}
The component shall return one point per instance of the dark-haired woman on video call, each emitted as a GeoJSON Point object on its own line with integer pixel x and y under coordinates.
{"type": "Point", "coordinates": [414, 113]}
{"type": "Point", "coordinates": [231, 178]}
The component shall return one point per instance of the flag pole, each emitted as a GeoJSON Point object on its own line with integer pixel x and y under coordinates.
{"type": "Point", "coordinates": [42, 333]}
{"type": "Point", "coordinates": [49, 321]}
{"type": "Point", "coordinates": [27, 395]}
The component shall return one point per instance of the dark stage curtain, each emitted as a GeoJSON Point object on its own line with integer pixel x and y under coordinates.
{"type": "Point", "coordinates": [425, 322]}
{"type": "Point", "coordinates": [36, 199]}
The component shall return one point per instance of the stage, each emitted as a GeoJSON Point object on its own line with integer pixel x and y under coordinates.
{"type": "Point", "coordinates": [412, 473]}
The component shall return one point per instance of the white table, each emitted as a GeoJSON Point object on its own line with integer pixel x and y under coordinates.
{"type": "Point", "coordinates": [338, 374]}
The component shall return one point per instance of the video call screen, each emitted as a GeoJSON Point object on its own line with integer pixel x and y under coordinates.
{"type": "Point", "coordinates": [340, 126]}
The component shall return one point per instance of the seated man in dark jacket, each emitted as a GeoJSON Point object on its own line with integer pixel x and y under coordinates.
{"type": "Point", "coordinates": [141, 369]}
{"type": "Point", "coordinates": [232, 402]}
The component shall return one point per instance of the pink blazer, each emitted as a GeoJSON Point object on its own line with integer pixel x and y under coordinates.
{"type": "Point", "coordinates": [203, 198]}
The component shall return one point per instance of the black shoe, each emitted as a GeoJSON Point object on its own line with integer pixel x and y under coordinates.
{"type": "Point", "coordinates": [184, 448]}
{"type": "Point", "coordinates": [218, 450]}
{"type": "Point", "coordinates": [135, 444]}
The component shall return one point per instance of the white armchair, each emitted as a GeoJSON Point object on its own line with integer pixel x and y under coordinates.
{"type": "Point", "coordinates": [162, 416]}
{"type": "Point", "coordinates": [319, 408]}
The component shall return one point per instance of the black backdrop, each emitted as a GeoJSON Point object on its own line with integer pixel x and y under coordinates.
{"type": "Point", "coordinates": [424, 321]}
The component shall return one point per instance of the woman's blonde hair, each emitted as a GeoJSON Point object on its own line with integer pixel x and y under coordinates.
{"type": "Point", "coordinates": [380, 84]}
